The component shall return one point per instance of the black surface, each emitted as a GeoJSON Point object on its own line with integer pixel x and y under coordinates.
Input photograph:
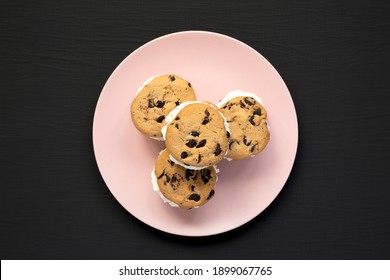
{"type": "Point", "coordinates": [56, 57]}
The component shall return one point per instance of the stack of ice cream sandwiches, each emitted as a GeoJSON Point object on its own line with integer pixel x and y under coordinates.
{"type": "Point", "coordinates": [197, 135]}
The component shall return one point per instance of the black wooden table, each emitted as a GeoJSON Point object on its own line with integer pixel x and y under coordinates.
{"type": "Point", "coordinates": [55, 57]}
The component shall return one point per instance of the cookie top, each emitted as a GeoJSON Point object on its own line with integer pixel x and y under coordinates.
{"type": "Point", "coordinates": [247, 119]}
{"type": "Point", "coordinates": [181, 187]}
{"type": "Point", "coordinates": [155, 99]}
{"type": "Point", "coordinates": [196, 135]}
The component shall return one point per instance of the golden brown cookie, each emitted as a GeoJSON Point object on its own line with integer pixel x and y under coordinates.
{"type": "Point", "coordinates": [247, 120]}
{"type": "Point", "coordinates": [156, 99]}
{"type": "Point", "coordinates": [181, 187]}
{"type": "Point", "coordinates": [196, 135]}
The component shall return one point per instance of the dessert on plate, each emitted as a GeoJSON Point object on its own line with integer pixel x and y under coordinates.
{"type": "Point", "coordinates": [181, 187]}
{"type": "Point", "coordinates": [155, 99]}
{"type": "Point", "coordinates": [247, 118]}
{"type": "Point", "coordinates": [196, 135]}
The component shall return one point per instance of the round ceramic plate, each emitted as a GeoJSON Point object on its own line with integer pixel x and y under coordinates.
{"type": "Point", "coordinates": [215, 64]}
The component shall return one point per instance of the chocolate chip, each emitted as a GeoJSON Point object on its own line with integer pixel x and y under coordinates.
{"type": "Point", "coordinates": [253, 148]}
{"type": "Point", "coordinates": [204, 172]}
{"type": "Point", "coordinates": [183, 155]}
{"type": "Point", "coordinates": [177, 118]}
{"type": "Point", "coordinates": [194, 196]}
{"type": "Point", "coordinates": [189, 173]}
{"type": "Point", "coordinates": [201, 143]}
{"type": "Point", "coordinates": [218, 150]}
{"type": "Point", "coordinates": [150, 103]}
{"type": "Point", "coordinates": [205, 175]}
{"type": "Point", "coordinates": [246, 141]}
{"type": "Point", "coordinates": [192, 188]}
{"type": "Point", "coordinates": [227, 105]}
{"type": "Point", "coordinates": [171, 162]}
{"type": "Point", "coordinates": [172, 78]}
{"type": "Point", "coordinates": [191, 143]}
{"type": "Point", "coordinates": [251, 120]}
{"type": "Point", "coordinates": [199, 158]}
{"type": "Point", "coordinates": [162, 174]}
{"type": "Point", "coordinates": [167, 178]}
{"type": "Point", "coordinates": [247, 101]}
{"type": "Point", "coordinates": [160, 119]}
{"type": "Point", "coordinates": [174, 179]}
{"type": "Point", "coordinates": [227, 134]}
{"type": "Point", "coordinates": [242, 105]}
{"type": "Point", "coordinates": [177, 103]}
{"type": "Point", "coordinates": [189, 84]}
{"type": "Point", "coordinates": [177, 125]}
{"type": "Point", "coordinates": [257, 111]}
{"type": "Point", "coordinates": [206, 120]}
{"type": "Point", "coordinates": [211, 194]}
{"type": "Point", "coordinates": [160, 104]}
{"type": "Point", "coordinates": [194, 133]}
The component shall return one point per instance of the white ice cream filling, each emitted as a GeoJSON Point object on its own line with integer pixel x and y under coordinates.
{"type": "Point", "coordinates": [145, 83]}
{"type": "Point", "coordinates": [157, 138]}
{"type": "Point", "coordinates": [237, 93]}
{"type": "Point", "coordinates": [186, 165]}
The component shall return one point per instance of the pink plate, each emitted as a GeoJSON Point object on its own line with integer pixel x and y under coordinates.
{"type": "Point", "coordinates": [215, 64]}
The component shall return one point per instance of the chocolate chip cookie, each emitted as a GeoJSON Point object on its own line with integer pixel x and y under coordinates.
{"type": "Point", "coordinates": [247, 119]}
{"type": "Point", "coordinates": [196, 135]}
{"type": "Point", "coordinates": [181, 187]}
{"type": "Point", "coordinates": [158, 96]}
